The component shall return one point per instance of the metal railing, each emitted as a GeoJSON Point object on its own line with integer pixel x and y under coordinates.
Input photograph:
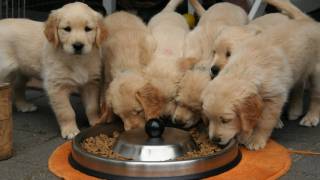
{"type": "Point", "coordinates": [12, 8]}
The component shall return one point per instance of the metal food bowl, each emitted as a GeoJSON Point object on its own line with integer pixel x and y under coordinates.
{"type": "Point", "coordinates": [195, 168]}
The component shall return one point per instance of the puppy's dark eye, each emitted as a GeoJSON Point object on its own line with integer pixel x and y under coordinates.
{"type": "Point", "coordinates": [228, 54]}
{"type": "Point", "coordinates": [87, 29]}
{"type": "Point", "coordinates": [67, 29]}
{"type": "Point", "coordinates": [141, 113]}
{"type": "Point", "coordinates": [213, 52]}
{"type": "Point", "coordinates": [224, 121]}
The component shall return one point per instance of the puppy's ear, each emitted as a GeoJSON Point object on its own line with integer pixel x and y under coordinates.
{"type": "Point", "coordinates": [51, 28]}
{"type": "Point", "coordinates": [249, 112]}
{"type": "Point", "coordinates": [102, 32]}
{"type": "Point", "coordinates": [187, 63]}
{"type": "Point", "coordinates": [151, 100]}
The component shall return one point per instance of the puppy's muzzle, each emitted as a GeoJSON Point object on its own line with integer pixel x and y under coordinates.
{"type": "Point", "coordinates": [214, 71]}
{"type": "Point", "coordinates": [77, 46]}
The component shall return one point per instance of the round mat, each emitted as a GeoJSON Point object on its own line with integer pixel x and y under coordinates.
{"type": "Point", "coordinates": [269, 163]}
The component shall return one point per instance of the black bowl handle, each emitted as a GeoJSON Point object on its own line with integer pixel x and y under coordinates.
{"type": "Point", "coordinates": [154, 128]}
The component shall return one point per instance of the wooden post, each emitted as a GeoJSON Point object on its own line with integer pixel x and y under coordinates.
{"type": "Point", "coordinates": [5, 121]}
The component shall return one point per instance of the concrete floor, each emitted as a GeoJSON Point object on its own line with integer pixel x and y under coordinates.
{"type": "Point", "coordinates": [36, 135]}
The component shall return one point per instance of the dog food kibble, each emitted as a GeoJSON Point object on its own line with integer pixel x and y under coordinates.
{"type": "Point", "coordinates": [102, 145]}
{"type": "Point", "coordinates": [206, 147]}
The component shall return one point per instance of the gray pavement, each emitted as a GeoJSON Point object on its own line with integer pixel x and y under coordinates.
{"type": "Point", "coordinates": [36, 135]}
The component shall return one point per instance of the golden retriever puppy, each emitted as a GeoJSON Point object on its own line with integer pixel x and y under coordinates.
{"type": "Point", "coordinates": [200, 40]}
{"type": "Point", "coordinates": [72, 61]}
{"type": "Point", "coordinates": [198, 49]}
{"type": "Point", "coordinates": [127, 51]}
{"type": "Point", "coordinates": [169, 30]}
{"type": "Point", "coordinates": [188, 102]}
{"type": "Point", "coordinates": [123, 20]}
{"type": "Point", "coordinates": [233, 37]}
{"type": "Point", "coordinates": [20, 56]}
{"type": "Point", "coordinates": [247, 97]}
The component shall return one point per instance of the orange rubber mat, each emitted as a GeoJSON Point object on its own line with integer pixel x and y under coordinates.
{"type": "Point", "coordinates": [269, 163]}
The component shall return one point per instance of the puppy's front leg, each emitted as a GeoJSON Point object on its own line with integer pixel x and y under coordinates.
{"type": "Point", "coordinates": [312, 116]}
{"type": "Point", "coordinates": [90, 99]}
{"type": "Point", "coordinates": [296, 102]}
{"type": "Point", "coordinates": [59, 100]}
{"type": "Point", "coordinates": [20, 97]}
{"type": "Point", "coordinates": [269, 118]}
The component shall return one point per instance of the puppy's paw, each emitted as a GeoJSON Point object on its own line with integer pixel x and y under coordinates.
{"type": "Point", "coordinates": [256, 143]}
{"type": "Point", "coordinates": [309, 121]}
{"type": "Point", "coordinates": [279, 125]}
{"type": "Point", "coordinates": [26, 107]}
{"type": "Point", "coordinates": [295, 113]}
{"type": "Point", "coordinates": [69, 132]}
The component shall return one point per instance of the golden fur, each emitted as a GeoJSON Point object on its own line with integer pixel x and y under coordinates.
{"type": "Point", "coordinates": [162, 74]}
{"type": "Point", "coordinates": [188, 101]}
{"type": "Point", "coordinates": [198, 51]}
{"type": "Point", "coordinates": [200, 40]}
{"type": "Point", "coordinates": [21, 46]}
{"type": "Point", "coordinates": [66, 68]}
{"type": "Point", "coordinates": [126, 52]}
{"type": "Point", "coordinates": [260, 75]}
{"type": "Point", "coordinates": [232, 37]}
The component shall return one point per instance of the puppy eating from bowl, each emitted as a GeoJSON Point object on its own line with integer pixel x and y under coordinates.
{"type": "Point", "coordinates": [246, 99]}
{"type": "Point", "coordinates": [71, 61]}
{"type": "Point", "coordinates": [233, 37]}
{"type": "Point", "coordinates": [126, 52]}
{"type": "Point", "coordinates": [162, 74]}
{"type": "Point", "coordinates": [197, 56]}
{"type": "Point", "coordinates": [188, 102]}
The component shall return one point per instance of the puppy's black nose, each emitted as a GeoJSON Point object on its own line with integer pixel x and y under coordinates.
{"type": "Point", "coordinates": [78, 46]}
{"type": "Point", "coordinates": [215, 70]}
{"type": "Point", "coordinates": [216, 139]}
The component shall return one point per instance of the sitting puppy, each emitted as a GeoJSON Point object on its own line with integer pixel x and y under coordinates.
{"type": "Point", "coordinates": [233, 37]}
{"type": "Point", "coordinates": [21, 45]}
{"type": "Point", "coordinates": [169, 30]}
{"type": "Point", "coordinates": [71, 61]}
{"type": "Point", "coordinates": [211, 23]}
{"type": "Point", "coordinates": [127, 51]}
{"type": "Point", "coordinates": [246, 98]}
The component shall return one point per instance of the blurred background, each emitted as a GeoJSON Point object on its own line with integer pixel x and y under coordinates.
{"type": "Point", "coordinates": [39, 9]}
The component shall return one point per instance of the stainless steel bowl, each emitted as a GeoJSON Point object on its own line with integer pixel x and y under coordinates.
{"type": "Point", "coordinates": [137, 145]}
{"type": "Point", "coordinates": [195, 168]}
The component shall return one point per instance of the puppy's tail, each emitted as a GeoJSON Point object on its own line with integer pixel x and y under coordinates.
{"type": "Point", "coordinates": [172, 5]}
{"type": "Point", "coordinates": [291, 10]}
{"type": "Point", "coordinates": [198, 7]}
